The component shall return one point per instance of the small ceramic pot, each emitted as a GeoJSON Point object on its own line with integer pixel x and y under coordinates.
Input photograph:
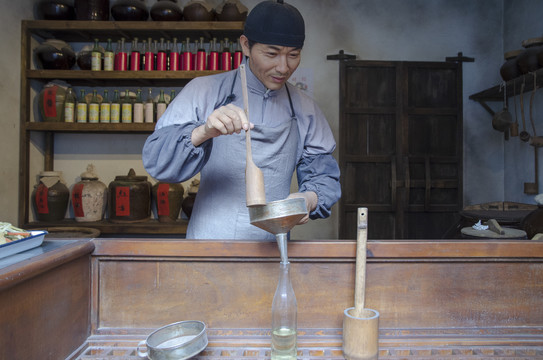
{"type": "Point", "coordinates": [528, 59]}
{"type": "Point", "coordinates": [231, 10]}
{"type": "Point", "coordinates": [510, 70]}
{"type": "Point", "coordinates": [197, 10]}
{"type": "Point", "coordinates": [167, 199]}
{"type": "Point", "coordinates": [129, 198]}
{"type": "Point", "coordinates": [92, 9]}
{"type": "Point", "coordinates": [166, 10]}
{"type": "Point", "coordinates": [129, 10]}
{"type": "Point", "coordinates": [55, 10]}
{"type": "Point", "coordinates": [55, 54]}
{"type": "Point", "coordinates": [89, 197]}
{"type": "Point", "coordinates": [50, 197]}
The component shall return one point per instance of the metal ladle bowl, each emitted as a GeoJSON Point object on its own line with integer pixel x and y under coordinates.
{"type": "Point", "coordinates": [278, 217]}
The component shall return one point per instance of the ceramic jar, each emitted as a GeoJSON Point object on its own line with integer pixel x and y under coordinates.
{"type": "Point", "coordinates": [166, 10]}
{"type": "Point", "coordinates": [129, 198]}
{"type": "Point", "coordinates": [89, 197]}
{"type": "Point", "coordinates": [129, 10]}
{"type": "Point", "coordinates": [231, 10]}
{"type": "Point", "coordinates": [533, 222]}
{"type": "Point", "coordinates": [51, 102]}
{"type": "Point", "coordinates": [167, 199]}
{"type": "Point", "coordinates": [55, 54]}
{"type": "Point", "coordinates": [197, 10]}
{"type": "Point", "coordinates": [188, 202]}
{"type": "Point", "coordinates": [510, 70]}
{"type": "Point", "coordinates": [92, 9]}
{"type": "Point", "coordinates": [55, 10]}
{"type": "Point", "coordinates": [50, 197]}
{"type": "Point", "coordinates": [528, 59]}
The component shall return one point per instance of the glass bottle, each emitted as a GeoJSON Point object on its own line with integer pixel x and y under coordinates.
{"type": "Point", "coordinates": [138, 108]}
{"type": "Point", "coordinates": [94, 108]}
{"type": "Point", "coordinates": [115, 108]}
{"type": "Point", "coordinates": [126, 108]}
{"type": "Point", "coordinates": [123, 57]}
{"type": "Point", "coordinates": [149, 107]}
{"type": "Point", "coordinates": [135, 56]}
{"type": "Point", "coordinates": [201, 56]}
{"type": "Point", "coordinates": [154, 49]}
{"type": "Point", "coordinates": [161, 105]}
{"type": "Point", "coordinates": [69, 106]}
{"type": "Point", "coordinates": [161, 59]}
{"type": "Point", "coordinates": [149, 57]}
{"type": "Point", "coordinates": [82, 108]}
{"type": "Point", "coordinates": [172, 96]}
{"type": "Point", "coordinates": [96, 57]}
{"type": "Point", "coordinates": [284, 317]}
{"type": "Point", "coordinates": [238, 55]}
{"type": "Point", "coordinates": [226, 56]}
{"type": "Point", "coordinates": [109, 57]}
{"type": "Point", "coordinates": [174, 56]}
{"type": "Point", "coordinates": [188, 63]}
{"type": "Point", "coordinates": [105, 108]}
{"type": "Point", "coordinates": [213, 57]}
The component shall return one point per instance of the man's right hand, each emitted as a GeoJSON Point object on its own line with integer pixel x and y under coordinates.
{"type": "Point", "coordinates": [226, 120]}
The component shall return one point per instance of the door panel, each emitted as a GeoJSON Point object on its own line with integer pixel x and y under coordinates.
{"type": "Point", "coordinates": [400, 147]}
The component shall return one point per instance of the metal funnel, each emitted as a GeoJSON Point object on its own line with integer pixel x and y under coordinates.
{"type": "Point", "coordinates": [278, 217]}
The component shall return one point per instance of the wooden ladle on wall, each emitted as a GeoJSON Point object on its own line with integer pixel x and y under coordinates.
{"type": "Point", "coordinates": [254, 179]}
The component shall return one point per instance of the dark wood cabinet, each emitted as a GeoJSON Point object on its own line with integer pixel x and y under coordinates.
{"type": "Point", "coordinates": [401, 147]}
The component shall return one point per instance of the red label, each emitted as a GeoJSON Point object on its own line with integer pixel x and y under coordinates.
{"type": "Point", "coordinates": [226, 61]}
{"type": "Point", "coordinates": [122, 63]}
{"type": "Point", "coordinates": [213, 61]}
{"type": "Point", "coordinates": [149, 59]}
{"type": "Point", "coordinates": [188, 63]}
{"type": "Point", "coordinates": [77, 200]}
{"type": "Point", "coordinates": [50, 102]}
{"type": "Point", "coordinates": [162, 201]}
{"type": "Point", "coordinates": [201, 60]}
{"type": "Point", "coordinates": [122, 201]}
{"type": "Point", "coordinates": [41, 199]}
{"type": "Point", "coordinates": [135, 61]}
{"type": "Point", "coordinates": [174, 61]}
{"type": "Point", "coordinates": [238, 57]}
{"type": "Point", "coordinates": [161, 61]}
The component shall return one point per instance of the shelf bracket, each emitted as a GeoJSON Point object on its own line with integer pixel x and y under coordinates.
{"type": "Point", "coordinates": [485, 106]}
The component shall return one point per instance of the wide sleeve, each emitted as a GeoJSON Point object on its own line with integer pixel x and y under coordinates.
{"type": "Point", "coordinates": [317, 169]}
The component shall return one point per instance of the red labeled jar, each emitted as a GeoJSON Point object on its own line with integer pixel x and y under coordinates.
{"type": "Point", "coordinates": [50, 197]}
{"type": "Point", "coordinates": [129, 198]}
{"type": "Point", "coordinates": [167, 200]}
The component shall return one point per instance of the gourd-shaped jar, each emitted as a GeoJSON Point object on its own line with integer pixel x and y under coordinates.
{"type": "Point", "coordinates": [166, 10]}
{"type": "Point", "coordinates": [167, 199]}
{"type": "Point", "coordinates": [231, 10]}
{"type": "Point", "coordinates": [89, 197]}
{"type": "Point", "coordinates": [198, 10]}
{"type": "Point", "coordinates": [50, 197]}
{"type": "Point", "coordinates": [129, 10]}
{"type": "Point", "coordinates": [510, 70]}
{"type": "Point", "coordinates": [528, 59]}
{"type": "Point", "coordinates": [129, 198]}
{"type": "Point", "coordinates": [188, 202]}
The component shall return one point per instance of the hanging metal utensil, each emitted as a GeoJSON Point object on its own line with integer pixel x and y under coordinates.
{"type": "Point", "coordinates": [524, 135]}
{"type": "Point", "coordinates": [502, 120]}
{"type": "Point", "coordinates": [514, 126]}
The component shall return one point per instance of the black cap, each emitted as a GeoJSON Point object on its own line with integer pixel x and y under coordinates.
{"type": "Point", "coordinates": [275, 23]}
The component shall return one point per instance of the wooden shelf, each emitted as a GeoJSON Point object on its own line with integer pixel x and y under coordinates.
{"type": "Point", "coordinates": [87, 127]}
{"type": "Point", "coordinates": [513, 87]}
{"type": "Point", "coordinates": [106, 227]}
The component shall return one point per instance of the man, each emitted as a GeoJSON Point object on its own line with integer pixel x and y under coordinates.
{"type": "Point", "coordinates": [201, 131]}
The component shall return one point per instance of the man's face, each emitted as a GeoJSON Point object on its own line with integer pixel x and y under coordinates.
{"type": "Point", "coordinates": [272, 64]}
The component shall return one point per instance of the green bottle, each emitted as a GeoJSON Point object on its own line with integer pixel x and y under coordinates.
{"type": "Point", "coordinates": [94, 108]}
{"type": "Point", "coordinates": [115, 108]}
{"type": "Point", "coordinates": [126, 108]}
{"type": "Point", "coordinates": [82, 108]}
{"type": "Point", "coordinates": [96, 57]}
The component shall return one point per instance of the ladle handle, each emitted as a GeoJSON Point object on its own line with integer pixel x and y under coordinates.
{"type": "Point", "coordinates": [360, 276]}
{"type": "Point", "coordinates": [243, 75]}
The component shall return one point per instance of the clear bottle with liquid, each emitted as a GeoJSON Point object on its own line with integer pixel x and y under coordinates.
{"type": "Point", "coordinates": [105, 108]}
{"type": "Point", "coordinates": [284, 317]}
{"type": "Point", "coordinates": [160, 105]}
{"type": "Point", "coordinates": [149, 108]}
{"type": "Point", "coordinates": [109, 57]}
{"type": "Point", "coordinates": [94, 108]}
{"type": "Point", "coordinates": [115, 107]}
{"type": "Point", "coordinates": [81, 108]}
{"type": "Point", "coordinates": [126, 108]}
{"type": "Point", "coordinates": [138, 108]}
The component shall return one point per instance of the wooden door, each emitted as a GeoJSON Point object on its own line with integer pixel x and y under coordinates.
{"type": "Point", "coordinates": [400, 147]}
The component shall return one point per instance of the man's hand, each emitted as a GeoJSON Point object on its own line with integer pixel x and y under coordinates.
{"type": "Point", "coordinates": [225, 120]}
{"type": "Point", "coordinates": [311, 200]}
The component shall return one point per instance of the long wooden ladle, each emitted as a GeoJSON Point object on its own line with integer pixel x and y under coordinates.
{"type": "Point", "coordinates": [254, 179]}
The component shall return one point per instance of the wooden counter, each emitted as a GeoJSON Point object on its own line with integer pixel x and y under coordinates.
{"type": "Point", "coordinates": [45, 300]}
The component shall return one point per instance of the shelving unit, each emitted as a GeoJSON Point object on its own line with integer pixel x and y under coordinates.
{"type": "Point", "coordinates": [36, 31]}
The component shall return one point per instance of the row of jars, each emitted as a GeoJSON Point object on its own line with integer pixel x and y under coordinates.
{"type": "Point", "coordinates": [58, 102]}
{"type": "Point", "coordinates": [523, 61]}
{"type": "Point", "coordinates": [128, 198]}
{"type": "Point", "coordinates": [136, 10]}
{"type": "Point", "coordinates": [149, 55]}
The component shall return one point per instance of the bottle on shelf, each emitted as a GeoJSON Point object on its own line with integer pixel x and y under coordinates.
{"type": "Point", "coordinates": [161, 59]}
{"type": "Point", "coordinates": [105, 108]}
{"type": "Point", "coordinates": [96, 57]}
{"type": "Point", "coordinates": [172, 96]}
{"type": "Point", "coordinates": [149, 107]}
{"type": "Point", "coordinates": [69, 106]}
{"type": "Point", "coordinates": [138, 108]}
{"type": "Point", "coordinates": [149, 56]}
{"type": "Point", "coordinates": [201, 56]}
{"type": "Point", "coordinates": [161, 105]}
{"type": "Point", "coordinates": [155, 53]}
{"type": "Point", "coordinates": [115, 116]}
{"type": "Point", "coordinates": [284, 317]}
{"type": "Point", "coordinates": [94, 108]}
{"type": "Point", "coordinates": [109, 56]}
{"type": "Point", "coordinates": [126, 108]}
{"type": "Point", "coordinates": [168, 50]}
{"type": "Point", "coordinates": [188, 61]}
{"type": "Point", "coordinates": [174, 56]}
{"type": "Point", "coordinates": [213, 58]}
{"type": "Point", "coordinates": [122, 64]}
{"type": "Point", "coordinates": [238, 55]}
{"type": "Point", "coordinates": [81, 109]}
{"type": "Point", "coordinates": [226, 56]}
{"type": "Point", "coordinates": [135, 56]}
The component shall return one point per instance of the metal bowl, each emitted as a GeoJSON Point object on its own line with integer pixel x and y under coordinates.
{"type": "Point", "coordinates": [177, 341]}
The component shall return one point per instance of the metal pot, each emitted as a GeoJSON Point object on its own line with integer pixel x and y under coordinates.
{"type": "Point", "coordinates": [177, 341]}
